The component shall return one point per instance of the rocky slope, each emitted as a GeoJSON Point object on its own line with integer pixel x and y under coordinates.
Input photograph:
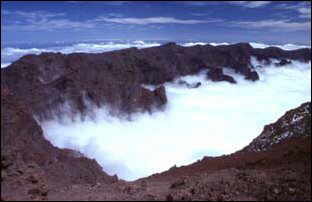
{"type": "Point", "coordinates": [48, 81]}
{"type": "Point", "coordinates": [294, 123]}
{"type": "Point", "coordinates": [33, 169]}
{"type": "Point", "coordinates": [30, 165]}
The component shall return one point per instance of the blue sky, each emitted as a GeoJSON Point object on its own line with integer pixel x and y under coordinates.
{"type": "Point", "coordinates": [265, 21]}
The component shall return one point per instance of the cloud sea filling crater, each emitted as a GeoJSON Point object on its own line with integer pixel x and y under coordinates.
{"type": "Point", "coordinates": [215, 119]}
{"type": "Point", "coordinates": [212, 120]}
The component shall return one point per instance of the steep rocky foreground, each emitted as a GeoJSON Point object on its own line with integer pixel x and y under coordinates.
{"type": "Point", "coordinates": [33, 169]}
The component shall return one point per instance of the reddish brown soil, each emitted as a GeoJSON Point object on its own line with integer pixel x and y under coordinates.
{"type": "Point", "coordinates": [32, 169]}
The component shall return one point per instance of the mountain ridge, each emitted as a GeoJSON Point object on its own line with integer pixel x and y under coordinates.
{"type": "Point", "coordinates": [33, 169]}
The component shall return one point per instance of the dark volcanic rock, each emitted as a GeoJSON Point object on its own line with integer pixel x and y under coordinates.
{"type": "Point", "coordinates": [47, 81]}
{"type": "Point", "coordinates": [303, 55]}
{"type": "Point", "coordinates": [252, 75]}
{"type": "Point", "coordinates": [216, 74]}
{"type": "Point", "coordinates": [31, 162]}
{"type": "Point", "coordinates": [228, 78]}
{"type": "Point", "coordinates": [32, 169]}
{"type": "Point", "coordinates": [160, 94]}
{"type": "Point", "coordinates": [248, 72]}
{"type": "Point", "coordinates": [283, 62]}
{"type": "Point", "coordinates": [193, 85]}
{"type": "Point", "coordinates": [145, 98]}
{"type": "Point", "coordinates": [40, 85]}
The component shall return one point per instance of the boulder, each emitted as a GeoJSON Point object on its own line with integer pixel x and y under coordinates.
{"type": "Point", "coordinates": [195, 85]}
{"type": "Point", "coordinates": [160, 95]}
{"type": "Point", "coordinates": [252, 75]}
{"type": "Point", "coordinates": [192, 85]}
{"type": "Point", "coordinates": [283, 62]}
{"type": "Point", "coordinates": [145, 99]}
{"type": "Point", "coordinates": [216, 74]}
{"type": "Point", "coordinates": [228, 78]}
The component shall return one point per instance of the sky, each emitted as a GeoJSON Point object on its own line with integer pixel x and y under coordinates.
{"type": "Point", "coordinates": [226, 21]}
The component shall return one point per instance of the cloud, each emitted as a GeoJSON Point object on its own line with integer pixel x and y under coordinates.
{"type": "Point", "coordinates": [303, 9]}
{"type": "Point", "coordinates": [42, 20]}
{"type": "Point", "coordinates": [110, 3]}
{"type": "Point", "coordinates": [192, 126]}
{"type": "Point", "coordinates": [154, 20]}
{"type": "Point", "coordinates": [278, 25]}
{"type": "Point", "coordinates": [117, 15]}
{"type": "Point", "coordinates": [199, 14]}
{"type": "Point", "coordinates": [196, 3]}
{"type": "Point", "coordinates": [37, 15]}
{"type": "Point", "coordinates": [115, 3]}
{"type": "Point", "coordinates": [250, 4]}
{"type": "Point", "coordinates": [305, 12]}
{"type": "Point", "coordinates": [51, 25]}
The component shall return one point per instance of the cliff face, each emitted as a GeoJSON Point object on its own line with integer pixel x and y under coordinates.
{"type": "Point", "coordinates": [30, 165]}
{"type": "Point", "coordinates": [32, 169]}
{"type": "Point", "coordinates": [47, 81]}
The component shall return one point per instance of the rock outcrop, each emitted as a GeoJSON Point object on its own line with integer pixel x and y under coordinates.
{"type": "Point", "coordinates": [295, 123]}
{"type": "Point", "coordinates": [283, 62]}
{"type": "Point", "coordinates": [189, 85]}
{"type": "Point", "coordinates": [33, 169]}
{"type": "Point", "coordinates": [216, 74]}
{"type": "Point", "coordinates": [30, 165]}
{"type": "Point", "coordinates": [49, 80]}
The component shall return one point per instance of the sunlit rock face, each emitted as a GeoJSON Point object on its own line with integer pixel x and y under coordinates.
{"type": "Point", "coordinates": [295, 123]}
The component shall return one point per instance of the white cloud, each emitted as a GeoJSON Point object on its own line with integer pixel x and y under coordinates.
{"type": "Point", "coordinates": [115, 3]}
{"type": "Point", "coordinates": [303, 9]}
{"type": "Point", "coordinates": [46, 21]}
{"type": "Point", "coordinates": [250, 4]}
{"type": "Point", "coordinates": [51, 25]}
{"type": "Point", "coordinates": [284, 25]}
{"type": "Point", "coordinates": [197, 122]}
{"type": "Point", "coordinates": [305, 12]}
{"type": "Point", "coordinates": [33, 16]}
{"type": "Point", "coordinates": [42, 20]}
{"type": "Point", "coordinates": [196, 3]}
{"type": "Point", "coordinates": [38, 14]}
{"type": "Point", "coordinates": [116, 15]}
{"type": "Point", "coordinates": [110, 3]}
{"type": "Point", "coordinates": [199, 14]}
{"type": "Point", "coordinates": [153, 20]}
